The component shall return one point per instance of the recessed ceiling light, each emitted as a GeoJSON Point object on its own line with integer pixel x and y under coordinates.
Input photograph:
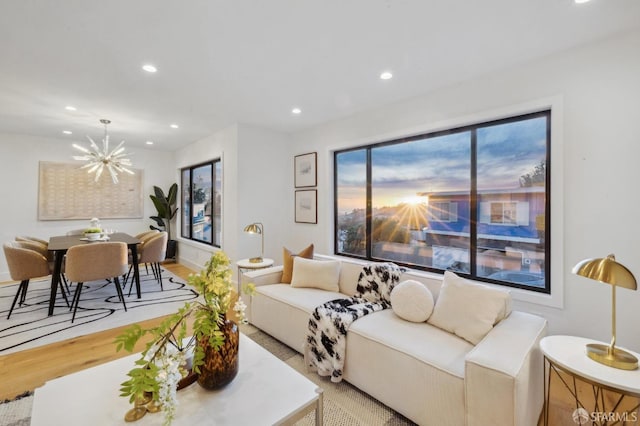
{"type": "Point", "coordinates": [149, 142]}
{"type": "Point", "coordinates": [386, 75]}
{"type": "Point", "coordinates": [580, 1]}
{"type": "Point", "coordinates": [70, 108]}
{"type": "Point", "coordinates": [296, 111]}
{"type": "Point", "coordinates": [174, 126]}
{"type": "Point", "coordinates": [67, 132]}
{"type": "Point", "coordinates": [149, 68]}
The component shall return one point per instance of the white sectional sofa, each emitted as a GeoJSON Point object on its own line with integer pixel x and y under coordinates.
{"type": "Point", "coordinates": [427, 374]}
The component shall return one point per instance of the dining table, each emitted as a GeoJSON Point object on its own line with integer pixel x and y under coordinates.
{"type": "Point", "coordinates": [60, 244]}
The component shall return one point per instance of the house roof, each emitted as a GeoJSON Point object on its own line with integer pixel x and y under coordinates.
{"type": "Point", "coordinates": [523, 190]}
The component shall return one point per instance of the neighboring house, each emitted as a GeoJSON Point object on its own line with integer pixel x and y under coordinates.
{"type": "Point", "coordinates": [507, 217]}
{"type": "Point", "coordinates": [510, 232]}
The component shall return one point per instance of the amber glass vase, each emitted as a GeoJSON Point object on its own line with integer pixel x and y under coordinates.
{"type": "Point", "coordinates": [220, 366]}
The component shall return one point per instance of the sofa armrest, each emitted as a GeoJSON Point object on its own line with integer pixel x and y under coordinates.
{"type": "Point", "coordinates": [504, 373]}
{"type": "Point", "coordinates": [271, 275]}
{"type": "Point", "coordinates": [259, 277]}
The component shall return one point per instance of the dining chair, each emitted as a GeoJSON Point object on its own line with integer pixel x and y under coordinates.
{"type": "Point", "coordinates": [42, 247]}
{"type": "Point", "coordinates": [24, 264]}
{"type": "Point", "coordinates": [94, 262]}
{"type": "Point", "coordinates": [146, 234]}
{"type": "Point", "coordinates": [29, 238]}
{"type": "Point", "coordinates": [152, 251]}
{"type": "Point", "coordinates": [142, 236]}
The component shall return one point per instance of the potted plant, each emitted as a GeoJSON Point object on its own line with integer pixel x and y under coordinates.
{"type": "Point", "coordinates": [166, 208]}
{"type": "Point", "coordinates": [92, 233]}
{"type": "Point", "coordinates": [153, 382]}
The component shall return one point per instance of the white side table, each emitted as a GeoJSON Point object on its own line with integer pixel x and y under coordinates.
{"type": "Point", "coordinates": [568, 354]}
{"type": "Point", "coordinates": [246, 265]}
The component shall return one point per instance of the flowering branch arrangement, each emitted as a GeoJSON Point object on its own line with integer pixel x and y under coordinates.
{"type": "Point", "coordinates": [164, 362]}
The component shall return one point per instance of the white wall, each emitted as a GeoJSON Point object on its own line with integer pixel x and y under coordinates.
{"type": "Point", "coordinates": [255, 189]}
{"type": "Point", "coordinates": [595, 91]}
{"type": "Point", "coordinates": [222, 145]}
{"type": "Point", "coordinates": [19, 165]}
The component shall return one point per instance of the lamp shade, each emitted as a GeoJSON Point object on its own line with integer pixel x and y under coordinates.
{"type": "Point", "coordinates": [607, 271]}
{"type": "Point", "coordinates": [253, 228]}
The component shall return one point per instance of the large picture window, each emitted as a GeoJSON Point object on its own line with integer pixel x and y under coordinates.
{"type": "Point", "coordinates": [473, 200]}
{"type": "Point", "coordinates": [201, 203]}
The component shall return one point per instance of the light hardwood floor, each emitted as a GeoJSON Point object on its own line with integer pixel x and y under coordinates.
{"type": "Point", "coordinates": [26, 370]}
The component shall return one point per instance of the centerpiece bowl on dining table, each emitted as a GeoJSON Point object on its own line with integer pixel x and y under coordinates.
{"type": "Point", "coordinates": [93, 234]}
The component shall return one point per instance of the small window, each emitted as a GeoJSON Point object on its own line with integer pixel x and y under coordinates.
{"type": "Point", "coordinates": [443, 211]}
{"type": "Point", "coordinates": [504, 213]}
{"type": "Point", "coordinates": [201, 198]}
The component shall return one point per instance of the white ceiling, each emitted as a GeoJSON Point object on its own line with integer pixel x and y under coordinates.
{"type": "Point", "coordinates": [226, 61]}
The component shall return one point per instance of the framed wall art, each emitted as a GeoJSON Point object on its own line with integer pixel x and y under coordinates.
{"type": "Point", "coordinates": [305, 170]}
{"type": "Point", "coordinates": [307, 206]}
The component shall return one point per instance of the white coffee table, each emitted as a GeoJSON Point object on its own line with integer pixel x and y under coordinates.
{"type": "Point", "coordinates": [266, 391]}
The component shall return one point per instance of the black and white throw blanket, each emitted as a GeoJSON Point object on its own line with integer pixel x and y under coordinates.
{"type": "Point", "coordinates": [326, 338]}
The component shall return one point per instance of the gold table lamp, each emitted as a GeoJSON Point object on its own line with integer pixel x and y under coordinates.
{"type": "Point", "coordinates": [610, 272]}
{"type": "Point", "coordinates": [256, 228]}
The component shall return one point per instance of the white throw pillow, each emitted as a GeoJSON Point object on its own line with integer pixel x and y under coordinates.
{"type": "Point", "coordinates": [322, 274]}
{"type": "Point", "coordinates": [467, 309]}
{"type": "Point", "coordinates": [412, 301]}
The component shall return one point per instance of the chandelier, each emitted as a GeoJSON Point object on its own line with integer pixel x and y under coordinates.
{"type": "Point", "coordinates": [115, 161]}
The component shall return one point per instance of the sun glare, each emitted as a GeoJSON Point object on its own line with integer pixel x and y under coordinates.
{"type": "Point", "coordinates": [414, 201]}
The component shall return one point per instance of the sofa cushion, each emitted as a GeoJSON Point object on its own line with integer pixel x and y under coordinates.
{"type": "Point", "coordinates": [428, 344]}
{"type": "Point", "coordinates": [321, 274]}
{"type": "Point", "coordinates": [467, 309]}
{"type": "Point", "coordinates": [283, 311]}
{"type": "Point", "coordinates": [412, 301]}
{"type": "Point", "coordinates": [287, 261]}
{"type": "Point", "coordinates": [306, 299]}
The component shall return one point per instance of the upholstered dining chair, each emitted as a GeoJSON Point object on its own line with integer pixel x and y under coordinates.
{"type": "Point", "coordinates": [146, 234]}
{"type": "Point", "coordinates": [143, 237]}
{"type": "Point", "coordinates": [24, 264]}
{"type": "Point", "coordinates": [153, 251]}
{"type": "Point", "coordinates": [96, 261]}
{"type": "Point", "coordinates": [42, 247]}
{"type": "Point", "coordinates": [29, 238]}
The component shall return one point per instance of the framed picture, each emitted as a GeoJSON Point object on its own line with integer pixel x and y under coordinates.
{"type": "Point", "coordinates": [305, 172]}
{"type": "Point", "coordinates": [306, 206]}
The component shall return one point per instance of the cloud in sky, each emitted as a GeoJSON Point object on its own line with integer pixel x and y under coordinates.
{"type": "Point", "coordinates": [401, 170]}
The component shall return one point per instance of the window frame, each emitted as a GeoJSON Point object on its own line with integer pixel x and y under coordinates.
{"type": "Point", "coordinates": [474, 220]}
{"type": "Point", "coordinates": [189, 236]}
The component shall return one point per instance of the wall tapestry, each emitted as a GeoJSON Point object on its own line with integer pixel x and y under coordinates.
{"type": "Point", "coordinates": [67, 192]}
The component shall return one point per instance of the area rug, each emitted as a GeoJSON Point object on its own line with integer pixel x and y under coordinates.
{"type": "Point", "coordinates": [343, 403]}
{"type": "Point", "coordinates": [99, 309]}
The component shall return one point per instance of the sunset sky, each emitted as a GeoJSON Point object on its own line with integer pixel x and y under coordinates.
{"type": "Point", "coordinates": [400, 171]}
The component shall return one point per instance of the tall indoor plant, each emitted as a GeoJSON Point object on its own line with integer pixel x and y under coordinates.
{"type": "Point", "coordinates": [166, 211]}
{"type": "Point", "coordinates": [161, 366]}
